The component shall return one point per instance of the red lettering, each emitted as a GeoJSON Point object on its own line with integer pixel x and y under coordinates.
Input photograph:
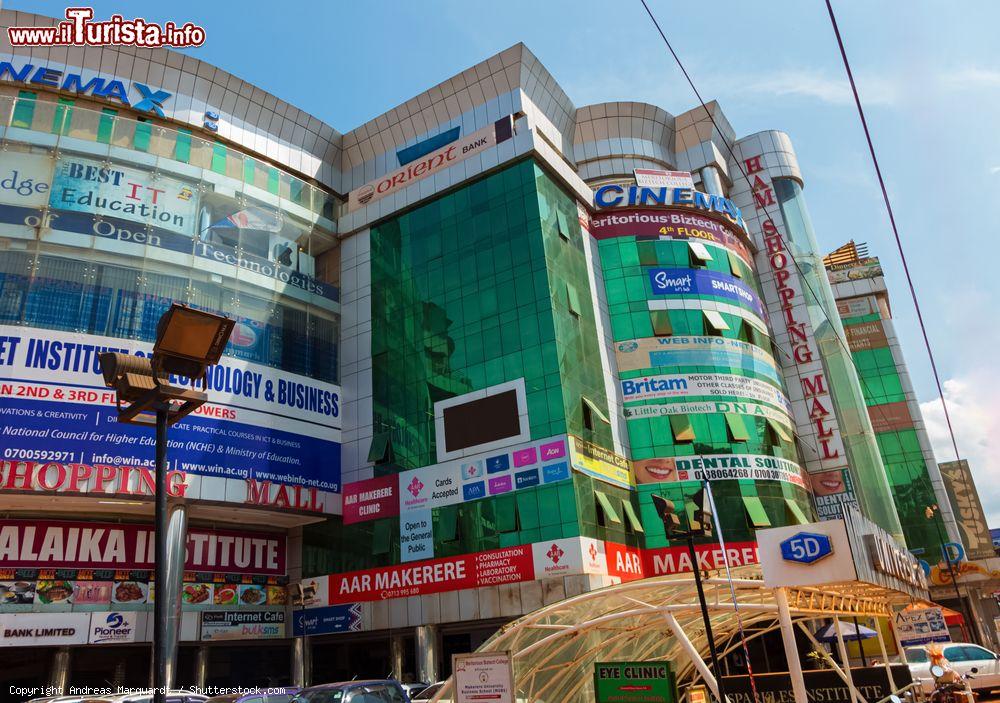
{"type": "Point", "coordinates": [768, 227]}
{"type": "Point", "coordinates": [818, 410]}
{"type": "Point", "coordinates": [258, 493]}
{"type": "Point", "coordinates": [797, 330]}
{"type": "Point", "coordinates": [135, 189]}
{"type": "Point", "coordinates": [105, 475]}
{"type": "Point", "coordinates": [758, 183]}
{"type": "Point", "coordinates": [147, 482]}
{"type": "Point", "coordinates": [827, 454]}
{"type": "Point", "coordinates": [281, 497]}
{"type": "Point", "coordinates": [14, 474]}
{"type": "Point", "coordinates": [778, 261]}
{"type": "Point", "coordinates": [763, 198]}
{"type": "Point", "coordinates": [79, 473]}
{"type": "Point", "coordinates": [786, 295]}
{"type": "Point", "coordinates": [176, 485]}
{"type": "Point", "coordinates": [44, 473]}
{"type": "Point", "coordinates": [780, 276]}
{"type": "Point", "coordinates": [154, 192]}
{"type": "Point", "coordinates": [814, 386]}
{"type": "Point", "coordinates": [753, 164]}
{"type": "Point", "coordinates": [802, 353]}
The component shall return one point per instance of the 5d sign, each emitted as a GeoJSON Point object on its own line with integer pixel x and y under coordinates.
{"type": "Point", "coordinates": [806, 548]}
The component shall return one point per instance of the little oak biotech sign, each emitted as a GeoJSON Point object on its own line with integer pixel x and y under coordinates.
{"type": "Point", "coordinates": [634, 682]}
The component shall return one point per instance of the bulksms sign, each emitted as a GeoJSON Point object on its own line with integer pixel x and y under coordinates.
{"type": "Point", "coordinates": [261, 424]}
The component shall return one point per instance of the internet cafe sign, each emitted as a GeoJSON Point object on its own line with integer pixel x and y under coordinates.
{"type": "Point", "coordinates": [430, 164]}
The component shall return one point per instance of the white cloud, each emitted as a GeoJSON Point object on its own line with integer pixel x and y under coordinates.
{"type": "Point", "coordinates": [814, 85]}
{"type": "Point", "coordinates": [994, 170]}
{"type": "Point", "coordinates": [970, 77]}
{"type": "Point", "coordinates": [974, 407]}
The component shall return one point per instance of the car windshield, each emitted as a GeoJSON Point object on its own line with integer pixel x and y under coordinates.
{"type": "Point", "coordinates": [428, 692]}
{"type": "Point", "coordinates": [333, 695]}
{"type": "Point", "coordinates": [916, 656]}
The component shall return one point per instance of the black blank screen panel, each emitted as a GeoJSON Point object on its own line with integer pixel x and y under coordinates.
{"type": "Point", "coordinates": [481, 421]}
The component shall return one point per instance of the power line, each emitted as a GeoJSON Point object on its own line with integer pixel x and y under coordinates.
{"type": "Point", "coordinates": [892, 222]}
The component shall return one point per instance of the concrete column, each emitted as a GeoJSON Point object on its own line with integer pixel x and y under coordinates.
{"type": "Point", "coordinates": [427, 653]}
{"type": "Point", "coordinates": [201, 667]}
{"type": "Point", "coordinates": [59, 677]}
{"type": "Point", "coordinates": [711, 181]}
{"type": "Point", "coordinates": [397, 656]}
{"type": "Point", "coordinates": [301, 662]}
{"type": "Point", "coordinates": [171, 590]}
{"type": "Point", "coordinates": [791, 649]}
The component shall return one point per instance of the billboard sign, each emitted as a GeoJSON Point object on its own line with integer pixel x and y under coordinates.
{"type": "Point", "coordinates": [692, 282]}
{"type": "Point", "coordinates": [371, 499]}
{"type": "Point", "coordinates": [968, 509]}
{"type": "Point", "coordinates": [62, 544]}
{"type": "Point", "coordinates": [43, 629]}
{"type": "Point", "coordinates": [345, 617]}
{"type": "Point", "coordinates": [603, 464]}
{"type": "Point", "coordinates": [692, 385]}
{"type": "Point", "coordinates": [262, 424]}
{"type": "Point", "coordinates": [486, 474]}
{"type": "Point", "coordinates": [113, 628]}
{"type": "Point", "coordinates": [430, 164]}
{"type": "Point", "coordinates": [242, 625]}
{"type": "Point", "coordinates": [669, 224]}
{"type": "Point", "coordinates": [416, 535]}
{"type": "Point", "coordinates": [718, 467]}
{"type": "Point", "coordinates": [657, 178]}
{"type": "Point", "coordinates": [651, 352]}
{"type": "Point", "coordinates": [634, 682]}
{"type": "Point", "coordinates": [483, 676]}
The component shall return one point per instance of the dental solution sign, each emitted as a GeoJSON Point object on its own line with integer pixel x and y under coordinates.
{"type": "Point", "coordinates": [271, 429]}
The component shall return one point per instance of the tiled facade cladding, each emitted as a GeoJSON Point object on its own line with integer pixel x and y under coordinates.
{"type": "Point", "coordinates": [559, 150]}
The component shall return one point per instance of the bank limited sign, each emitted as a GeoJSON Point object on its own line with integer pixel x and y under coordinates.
{"type": "Point", "coordinates": [140, 97]}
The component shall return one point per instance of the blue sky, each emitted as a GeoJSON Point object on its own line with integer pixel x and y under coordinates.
{"type": "Point", "coordinates": [929, 76]}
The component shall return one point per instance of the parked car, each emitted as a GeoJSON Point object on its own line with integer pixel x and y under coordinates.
{"type": "Point", "coordinates": [412, 689]}
{"type": "Point", "coordinates": [369, 691]}
{"type": "Point", "coordinates": [177, 696]}
{"type": "Point", "coordinates": [980, 664]}
{"type": "Point", "coordinates": [428, 692]}
{"type": "Point", "coordinates": [274, 695]}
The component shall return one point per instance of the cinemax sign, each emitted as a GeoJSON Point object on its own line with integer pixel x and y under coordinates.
{"type": "Point", "coordinates": [143, 97]}
{"type": "Point", "coordinates": [615, 195]}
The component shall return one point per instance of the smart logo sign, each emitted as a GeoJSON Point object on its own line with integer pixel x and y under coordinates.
{"type": "Point", "coordinates": [142, 97]}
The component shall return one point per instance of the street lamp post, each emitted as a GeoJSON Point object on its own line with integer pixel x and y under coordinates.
{"type": "Point", "coordinates": [929, 512]}
{"type": "Point", "coordinates": [188, 341]}
{"type": "Point", "coordinates": [700, 526]}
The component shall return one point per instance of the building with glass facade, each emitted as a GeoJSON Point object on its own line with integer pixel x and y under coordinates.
{"type": "Point", "coordinates": [476, 334]}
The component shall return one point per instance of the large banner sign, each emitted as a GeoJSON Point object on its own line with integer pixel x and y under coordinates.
{"type": "Point", "coordinates": [717, 467]}
{"type": "Point", "coordinates": [708, 406]}
{"type": "Point", "coordinates": [685, 282]}
{"type": "Point", "coordinates": [59, 544]}
{"type": "Point", "coordinates": [434, 162]}
{"type": "Point", "coordinates": [137, 209]}
{"type": "Point", "coordinates": [86, 185]}
{"type": "Point", "coordinates": [651, 352]}
{"type": "Point", "coordinates": [262, 424]}
{"type": "Point", "coordinates": [601, 463]}
{"type": "Point", "coordinates": [692, 385]}
{"type": "Point", "coordinates": [669, 224]}
{"type": "Point", "coordinates": [371, 499]}
{"type": "Point", "coordinates": [491, 473]}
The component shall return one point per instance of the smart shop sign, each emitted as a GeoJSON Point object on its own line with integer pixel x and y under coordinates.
{"type": "Point", "coordinates": [141, 97]}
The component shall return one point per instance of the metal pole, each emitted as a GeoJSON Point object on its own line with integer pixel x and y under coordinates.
{"type": "Point", "coordinates": [885, 655]}
{"type": "Point", "coordinates": [160, 602]}
{"type": "Point", "coordinates": [791, 648]}
{"type": "Point", "coordinates": [708, 622]}
{"type": "Point", "coordinates": [844, 661]}
{"type": "Point", "coordinates": [972, 630]}
{"type": "Point", "coordinates": [861, 645]}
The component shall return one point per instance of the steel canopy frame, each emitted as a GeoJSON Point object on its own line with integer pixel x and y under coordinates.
{"type": "Point", "coordinates": [555, 647]}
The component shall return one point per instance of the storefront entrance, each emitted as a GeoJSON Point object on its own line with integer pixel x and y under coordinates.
{"type": "Point", "coordinates": [247, 665]}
